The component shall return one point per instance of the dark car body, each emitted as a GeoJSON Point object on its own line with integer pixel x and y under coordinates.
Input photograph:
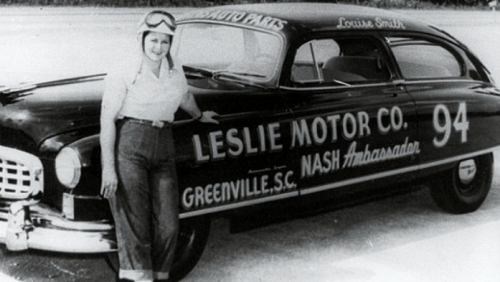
{"type": "Point", "coordinates": [317, 102]}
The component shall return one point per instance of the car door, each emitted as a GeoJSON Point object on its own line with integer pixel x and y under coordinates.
{"type": "Point", "coordinates": [451, 98]}
{"type": "Point", "coordinates": [238, 162]}
{"type": "Point", "coordinates": [353, 126]}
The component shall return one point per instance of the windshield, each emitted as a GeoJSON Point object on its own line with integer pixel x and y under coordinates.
{"type": "Point", "coordinates": [246, 53]}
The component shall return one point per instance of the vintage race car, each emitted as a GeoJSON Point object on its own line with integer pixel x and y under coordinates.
{"type": "Point", "coordinates": [320, 105]}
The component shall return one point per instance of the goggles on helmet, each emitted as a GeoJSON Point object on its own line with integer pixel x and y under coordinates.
{"type": "Point", "coordinates": [153, 22]}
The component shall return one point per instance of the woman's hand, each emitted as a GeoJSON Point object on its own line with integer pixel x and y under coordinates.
{"type": "Point", "coordinates": [109, 183]}
{"type": "Point", "coordinates": [209, 117]}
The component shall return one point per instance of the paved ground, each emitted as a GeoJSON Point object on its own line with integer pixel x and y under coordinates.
{"type": "Point", "coordinates": [404, 238]}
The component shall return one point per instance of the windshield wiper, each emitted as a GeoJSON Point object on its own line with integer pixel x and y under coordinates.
{"type": "Point", "coordinates": [341, 82]}
{"type": "Point", "coordinates": [224, 76]}
{"type": "Point", "coordinates": [198, 72]}
{"type": "Point", "coordinates": [236, 77]}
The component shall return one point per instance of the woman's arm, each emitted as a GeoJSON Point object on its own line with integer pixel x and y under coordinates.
{"type": "Point", "coordinates": [112, 101]}
{"type": "Point", "coordinates": [189, 105]}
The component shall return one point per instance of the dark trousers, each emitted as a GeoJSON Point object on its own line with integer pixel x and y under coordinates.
{"type": "Point", "coordinates": [145, 207]}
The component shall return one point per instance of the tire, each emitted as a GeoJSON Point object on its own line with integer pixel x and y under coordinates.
{"type": "Point", "coordinates": [193, 236]}
{"type": "Point", "coordinates": [464, 188]}
{"type": "Point", "coordinates": [191, 241]}
{"type": "Point", "coordinates": [468, 2]}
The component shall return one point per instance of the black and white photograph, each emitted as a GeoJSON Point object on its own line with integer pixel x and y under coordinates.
{"type": "Point", "coordinates": [297, 141]}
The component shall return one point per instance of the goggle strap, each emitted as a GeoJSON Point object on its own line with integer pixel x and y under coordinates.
{"type": "Point", "coordinates": [170, 25]}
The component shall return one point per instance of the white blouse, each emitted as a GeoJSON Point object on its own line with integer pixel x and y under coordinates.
{"type": "Point", "coordinates": [143, 95]}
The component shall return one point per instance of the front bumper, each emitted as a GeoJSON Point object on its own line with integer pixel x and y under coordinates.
{"type": "Point", "coordinates": [40, 227]}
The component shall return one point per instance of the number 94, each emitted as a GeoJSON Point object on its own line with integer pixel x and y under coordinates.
{"type": "Point", "coordinates": [441, 121]}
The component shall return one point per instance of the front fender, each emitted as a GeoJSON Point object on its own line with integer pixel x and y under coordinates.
{"type": "Point", "coordinates": [89, 150]}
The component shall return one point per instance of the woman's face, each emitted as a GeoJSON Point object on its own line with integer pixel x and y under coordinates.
{"type": "Point", "coordinates": [156, 45]}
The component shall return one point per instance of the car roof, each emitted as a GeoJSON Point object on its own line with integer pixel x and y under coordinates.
{"type": "Point", "coordinates": [316, 16]}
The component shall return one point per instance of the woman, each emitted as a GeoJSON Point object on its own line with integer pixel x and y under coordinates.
{"type": "Point", "coordinates": [138, 168]}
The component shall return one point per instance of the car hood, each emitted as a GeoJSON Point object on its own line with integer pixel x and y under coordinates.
{"type": "Point", "coordinates": [62, 111]}
{"type": "Point", "coordinates": [43, 110]}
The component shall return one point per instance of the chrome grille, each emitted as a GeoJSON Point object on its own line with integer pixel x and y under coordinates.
{"type": "Point", "coordinates": [21, 174]}
{"type": "Point", "coordinates": [14, 178]}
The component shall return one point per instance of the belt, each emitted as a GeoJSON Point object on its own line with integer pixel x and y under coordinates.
{"type": "Point", "coordinates": [153, 123]}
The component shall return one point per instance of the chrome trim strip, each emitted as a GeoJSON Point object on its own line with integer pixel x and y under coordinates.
{"type": "Point", "coordinates": [239, 204]}
{"type": "Point", "coordinates": [316, 189]}
{"type": "Point", "coordinates": [336, 184]}
{"type": "Point", "coordinates": [460, 157]}
{"type": "Point", "coordinates": [427, 81]}
{"type": "Point", "coordinates": [394, 172]}
{"type": "Point", "coordinates": [84, 226]}
{"type": "Point", "coordinates": [400, 82]}
{"type": "Point", "coordinates": [326, 87]}
{"type": "Point", "coordinates": [84, 197]}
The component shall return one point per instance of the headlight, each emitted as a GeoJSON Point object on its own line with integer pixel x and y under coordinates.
{"type": "Point", "coordinates": [68, 167]}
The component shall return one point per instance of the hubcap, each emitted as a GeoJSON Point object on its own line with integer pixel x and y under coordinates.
{"type": "Point", "coordinates": [467, 171]}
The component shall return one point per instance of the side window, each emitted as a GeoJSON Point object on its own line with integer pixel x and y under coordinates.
{"type": "Point", "coordinates": [340, 61]}
{"type": "Point", "coordinates": [418, 59]}
{"type": "Point", "coordinates": [473, 69]}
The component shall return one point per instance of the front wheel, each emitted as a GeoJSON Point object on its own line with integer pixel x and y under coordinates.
{"type": "Point", "coordinates": [191, 241]}
{"type": "Point", "coordinates": [193, 236]}
{"type": "Point", "coordinates": [464, 188]}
